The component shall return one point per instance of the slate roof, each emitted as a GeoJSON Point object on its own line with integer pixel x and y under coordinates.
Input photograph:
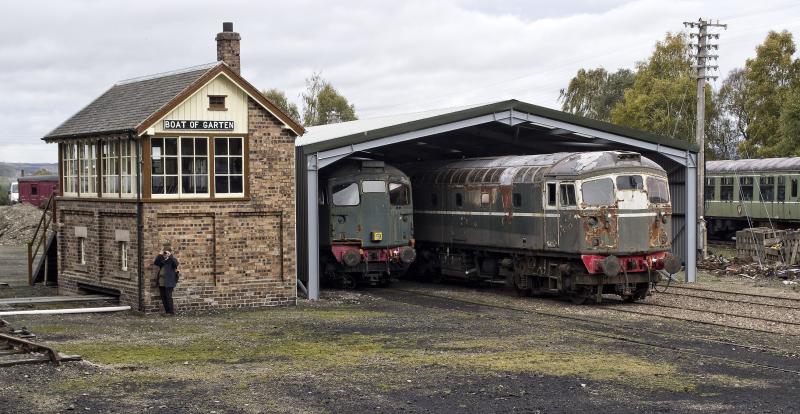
{"type": "Point", "coordinates": [128, 103]}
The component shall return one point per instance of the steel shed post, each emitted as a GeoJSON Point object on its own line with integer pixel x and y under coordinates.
{"type": "Point", "coordinates": [313, 227]}
{"type": "Point", "coordinates": [691, 219]}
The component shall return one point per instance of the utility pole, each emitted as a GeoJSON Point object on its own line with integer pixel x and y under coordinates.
{"type": "Point", "coordinates": [702, 49]}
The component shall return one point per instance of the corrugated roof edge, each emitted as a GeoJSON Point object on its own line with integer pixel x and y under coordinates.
{"type": "Point", "coordinates": [511, 104]}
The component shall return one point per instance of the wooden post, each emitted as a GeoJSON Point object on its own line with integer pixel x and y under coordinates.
{"type": "Point", "coordinates": [30, 263]}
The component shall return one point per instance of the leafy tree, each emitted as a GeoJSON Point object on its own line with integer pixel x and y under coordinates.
{"type": "Point", "coordinates": [43, 171]}
{"type": "Point", "coordinates": [662, 98]}
{"type": "Point", "coordinates": [770, 77]}
{"type": "Point", "coordinates": [277, 97]}
{"type": "Point", "coordinates": [732, 100]}
{"type": "Point", "coordinates": [322, 103]}
{"type": "Point", "coordinates": [4, 186]}
{"type": "Point", "coordinates": [593, 93]}
{"type": "Point", "coordinates": [790, 122]}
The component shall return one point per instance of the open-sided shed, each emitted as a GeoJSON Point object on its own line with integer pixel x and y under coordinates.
{"type": "Point", "coordinates": [500, 128]}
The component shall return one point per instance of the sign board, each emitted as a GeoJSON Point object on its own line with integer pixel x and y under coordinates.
{"type": "Point", "coordinates": [199, 125]}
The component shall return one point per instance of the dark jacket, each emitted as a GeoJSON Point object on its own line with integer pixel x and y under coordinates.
{"type": "Point", "coordinates": [169, 265]}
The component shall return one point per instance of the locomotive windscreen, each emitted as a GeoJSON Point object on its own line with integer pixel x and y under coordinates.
{"type": "Point", "coordinates": [598, 192]}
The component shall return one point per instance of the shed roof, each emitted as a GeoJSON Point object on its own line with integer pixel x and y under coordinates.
{"type": "Point", "coordinates": [133, 104]}
{"type": "Point", "coordinates": [324, 137]}
{"type": "Point", "coordinates": [754, 165]}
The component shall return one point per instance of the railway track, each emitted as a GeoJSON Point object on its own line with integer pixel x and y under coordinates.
{"type": "Point", "coordinates": [728, 292]}
{"type": "Point", "coordinates": [622, 333]}
{"type": "Point", "coordinates": [18, 351]}
{"type": "Point", "coordinates": [744, 302]}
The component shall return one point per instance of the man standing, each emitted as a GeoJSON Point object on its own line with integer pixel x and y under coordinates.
{"type": "Point", "coordinates": [167, 277]}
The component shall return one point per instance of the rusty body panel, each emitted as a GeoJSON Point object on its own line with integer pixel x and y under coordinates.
{"type": "Point", "coordinates": [530, 220]}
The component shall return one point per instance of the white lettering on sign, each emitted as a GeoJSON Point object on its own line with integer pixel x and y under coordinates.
{"type": "Point", "coordinates": [171, 124]}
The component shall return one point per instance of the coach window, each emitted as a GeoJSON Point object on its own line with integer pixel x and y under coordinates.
{"type": "Point", "coordinates": [766, 186]}
{"type": "Point", "coordinates": [551, 194]}
{"type": "Point", "coordinates": [794, 187]}
{"type": "Point", "coordinates": [399, 194]}
{"type": "Point", "coordinates": [726, 188]}
{"type": "Point", "coordinates": [434, 199]}
{"type": "Point", "coordinates": [781, 193]}
{"type": "Point", "coordinates": [567, 194]}
{"type": "Point", "coordinates": [710, 190]}
{"type": "Point", "coordinates": [745, 188]}
{"type": "Point", "coordinates": [34, 189]}
{"type": "Point", "coordinates": [346, 194]}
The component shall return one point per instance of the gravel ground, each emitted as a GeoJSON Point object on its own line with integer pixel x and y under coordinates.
{"type": "Point", "coordinates": [17, 223]}
{"type": "Point", "coordinates": [386, 350]}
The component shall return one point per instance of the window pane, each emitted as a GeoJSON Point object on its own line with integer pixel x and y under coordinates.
{"type": "Point", "coordinates": [630, 182]}
{"type": "Point", "coordinates": [221, 146]}
{"type": "Point", "coordinates": [459, 200]}
{"type": "Point", "coordinates": [187, 165]}
{"type": "Point", "coordinates": [399, 194]}
{"type": "Point", "coordinates": [221, 184]}
{"type": "Point", "coordinates": [373, 187]}
{"type": "Point", "coordinates": [171, 165]}
{"type": "Point", "coordinates": [235, 146]}
{"type": "Point", "coordinates": [517, 199]}
{"type": "Point", "coordinates": [200, 146]}
{"type": "Point", "coordinates": [158, 185]}
{"type": "Point", "coordinates": [187, 146]}
{"type": "Point", "coordinates": [657, 190]}
{"type": "Point", "coordinates": [236, 185]}
{"type": "Point", "coordinates": [187, 184]}
{"type": "Point", "coordinates": [171, 185]}
{"type": "Point", "coordinates": [221, 165]}
{"type": "Point", "coordinates": [201, 184]}
{"type": "Point", "coordinates": [201, 166]}
{"type": "Point", "coordinates": [567, 195]}
{"type": "Point", "coordinates": [236, 165]}
{"type": "Point", "coordinates": [346, 194]}
{"type": "Point", "coordinates": [598, 192]}
{"type": "Point", "coordinates": [170, 146]}
{"type": "Point", "coordinates": [551, 194]}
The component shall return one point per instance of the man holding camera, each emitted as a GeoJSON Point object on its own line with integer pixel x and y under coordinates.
{"type": "Point", "coordinates": [167, 277]}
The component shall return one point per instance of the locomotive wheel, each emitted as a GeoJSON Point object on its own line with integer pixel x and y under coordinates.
{"type": "Point", "coordinates": [639, 293]}
{"type": "Point", "coordinates": [580, 297]}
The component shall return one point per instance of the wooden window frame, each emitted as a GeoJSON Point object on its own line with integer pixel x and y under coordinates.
{"type": "Point", "coordinates": [217, 106]}
{"type": "Point", "coordinates": [147, 195]}
{"type": "Point", "coordinates": [213, 168]}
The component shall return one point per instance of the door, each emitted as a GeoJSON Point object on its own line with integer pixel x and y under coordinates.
{"type": "Point", "coordinates": [551, 216]}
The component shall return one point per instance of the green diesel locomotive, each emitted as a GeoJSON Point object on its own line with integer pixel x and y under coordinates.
{"type": "Point", "coordinates": [366, 223]}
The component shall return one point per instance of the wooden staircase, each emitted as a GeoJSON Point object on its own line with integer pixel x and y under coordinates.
{"type": "Point", "coordinates": [43, 248]}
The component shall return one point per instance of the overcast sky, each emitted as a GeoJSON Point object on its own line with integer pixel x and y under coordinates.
{"type": "Point", "coordinates": [386, 57]}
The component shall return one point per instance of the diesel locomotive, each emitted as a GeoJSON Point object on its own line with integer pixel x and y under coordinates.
{"type": "Point", "coordinates": [575, 224]}
{"type": "Point", "coordinates": [366, 223]}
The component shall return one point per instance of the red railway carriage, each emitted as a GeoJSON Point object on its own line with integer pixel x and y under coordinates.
{"type": "Point", "coordinates": [36, 189]}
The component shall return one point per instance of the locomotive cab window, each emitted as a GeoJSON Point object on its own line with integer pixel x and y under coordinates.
{"type": "Point", "coordinates": [551, 194]}
{"type": "Point", "coordinates": [657, 191]}
{"type": "Point", "coordinates": [630, 182]}
{"type": "Point", "coordinates": [399, 194]}
{"type": "Point", "coordinates": [568, 194]}
{"type": "Point", "coordinates": [346, 194]}
{"type": "Point", "coordinates": [746, 188]}
{"type": "Point", "coordinates": [598, 192]}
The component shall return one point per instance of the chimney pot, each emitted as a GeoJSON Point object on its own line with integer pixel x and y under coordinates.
{"type": "Point", "coordinates": [228, 47]}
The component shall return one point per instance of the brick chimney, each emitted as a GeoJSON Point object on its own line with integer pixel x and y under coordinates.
{"type": "Point", "coordinates": [228, 47]}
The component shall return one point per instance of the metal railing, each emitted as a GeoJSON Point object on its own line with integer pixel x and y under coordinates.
{"type": "Point", "coordinates": [40, 238]}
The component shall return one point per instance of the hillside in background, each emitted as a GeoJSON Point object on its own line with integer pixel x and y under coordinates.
{"type": "Point", "coordinates": [9, 171]}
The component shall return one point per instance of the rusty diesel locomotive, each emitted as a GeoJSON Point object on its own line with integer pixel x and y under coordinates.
{"type": "Point", "coordinates": [366, 223]}
{"type": "Point", "coordinates": [574, 224]}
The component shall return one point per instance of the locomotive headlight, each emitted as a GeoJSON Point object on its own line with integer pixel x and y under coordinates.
{"type": "Point", "coordinates": [595, 242]}
{"type": "Point", "coordinates": [592, 221]}
{"type": "Point", "coordinates": [664, 218]}
{"type": "Point", "coordinates": [340, 219]}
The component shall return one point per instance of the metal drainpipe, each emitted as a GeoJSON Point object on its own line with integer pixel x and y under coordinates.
{"type": "Point", "coordinates": [139, 224]}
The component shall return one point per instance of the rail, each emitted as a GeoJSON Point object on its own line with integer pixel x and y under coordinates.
{"type": "Point", "coordinates": [40, 238]}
